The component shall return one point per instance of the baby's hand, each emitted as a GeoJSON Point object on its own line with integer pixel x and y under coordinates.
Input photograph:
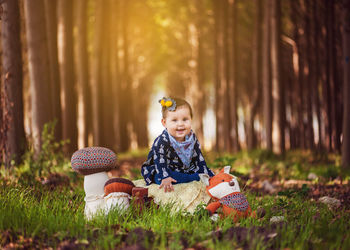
{"type": "Point", "coordinates": [166, 183]}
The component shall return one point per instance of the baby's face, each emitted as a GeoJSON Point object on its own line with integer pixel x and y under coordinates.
{"type": "Point", "coordinates": [178, 123]}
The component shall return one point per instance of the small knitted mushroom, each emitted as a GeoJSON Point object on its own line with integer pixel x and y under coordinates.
{"type": "Point", "coordinates": [118, 193]}
{"type": "Point", "coordinates": [93, 163]}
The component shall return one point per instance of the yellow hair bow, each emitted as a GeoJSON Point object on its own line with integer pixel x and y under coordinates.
{"type": "Point", "coordinates": [168, 103]}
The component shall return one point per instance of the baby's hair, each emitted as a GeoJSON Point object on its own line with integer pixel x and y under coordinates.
{"type": "Point", "coordinates": [179, 103]}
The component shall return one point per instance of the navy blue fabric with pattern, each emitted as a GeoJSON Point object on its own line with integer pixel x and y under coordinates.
{"type": "Point", "coordinates": [163, 162]}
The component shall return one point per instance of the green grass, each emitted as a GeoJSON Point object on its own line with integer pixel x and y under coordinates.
{"type": "Point", "coordinates": [50, 218]}
{"type": "Point", "coordinates": [295, 164]}
{"type": "Point", "coordinates": [54, 216]}
{"type": "Point", "coordinates": [143, 152]}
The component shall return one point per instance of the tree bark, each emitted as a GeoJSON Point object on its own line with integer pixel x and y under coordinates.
{"type": "Point", "coordinates": [12, 109]}
{"type": "Point", "coordinates": [38, 61]}
{"type": "Point", "coordinates": [309, 75]}
{"type": "Point", "coordinates": [126, 102]}
{"type": "Point", "coordinates": [256, 74]}
{"type": "Point", "coordinates": [115, 71]}
{"type": "Point", "coordinates": [224, 111]}
{"type": "Point", "coordinates": [201, 70]}
{"type": "Point", "coordinates": [218, 130]}
{"type": "Point", "coordinates": [221, 88]}
{"type": "Point", "coordinates": [231, 70]}
{"type": "Point", "coordinates": [317, 93]}
{"type": "Point", "coordinates": [108, 137]}
{"type": "Point", "coordinates": [328, 84]}
{"type": "Point", "coordinates": [51, 30]}
{"type": "Point", "coordinates": [332, 72]}
{"type": "Point", "coordinates": [143, 93]}
{"type": "Point", "coordinates": [66, 62]}
{"type": "Point", "coordinates": [267, 98]}
{"type": "Point", "coordinates": [225, 76]}
{"type": "Point", "coordinates": [175, 83]}
{"type": "Point", "coordinates": [82, 73]}
{"type": "Point", "coordinates": [96, 75]}
{"type": "Point", "coordinates": [277, 84]}
{"type": "Point", "coordinates": [300, 92]}
{"type": "Point", "coordinates": [337, 88]}
{"type": "Point", "coordinates": [195, 90]}
{"type": "Point", "coordinates": [295, 101]}
{"type": "Point", "coordinates": [346, 79]}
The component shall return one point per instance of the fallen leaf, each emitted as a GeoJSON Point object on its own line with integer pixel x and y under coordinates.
{"type": "Point", "coordinates": [272, 235]}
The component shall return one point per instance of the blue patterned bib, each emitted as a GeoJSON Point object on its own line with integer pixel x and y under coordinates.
{"type": "Point", "coordinates": [184, 149]}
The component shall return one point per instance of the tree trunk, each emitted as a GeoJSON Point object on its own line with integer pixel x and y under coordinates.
{"type": "Point", "coordinates": [221, 88]}
{"type": "Point", "coordinates": [317, 93]}
{"type": "Point", "coordinates": [195, 90]}
{"type": "Point", "coordinates": [175, 83]}
{"type": "Point", "coordinates": [256, 74]}
{"type": "Point", "coordinates": [309, 65]}
{"type": "Point", "coordinates": [277, 84]}
{"type": "Point", "coordinates": [3, 123]}
{"type": "Point", "coordinates": [296, 130]}
{"type": "Point", "coordinates": [328, 83]}
{"type": "Point", "coordinates": [108, 138]}
{"type": "Point", "coordinates": [337, 90]}
{"type": "Point", "coordinates": [227, 73]}
{"type": "Point", "coordinates": [300, 94]}
{"type": "Point", "coordinates": [66, 60]}
{"type": "Point", "coordinates": [332, 72]}
{"type": "Point", "coordinates": [115, 71]}
{"type": "Point", "coordinates": [231, 39]}
{"type": "Point", "coordinates": [82, 73]}
{"type": "Point", "coordinates": [224, 68]}
{"type": "Point", "coordinates": [201, 70]}
{"type": "Point", "coordinates": [267, 98]}
{"type": "Point", "coordinates": [346, 79]}
{"type": "Point", "coordinates": [216, 9]}
{"type": "Point", "coordinates": [51, 30]}
{"type": "Point", "coordinates": [287, 54]}
{"type": "Point", "coordinates": [12, 119]}
{"type": "Point", "coordinates": [126, 102]}
{"type": "Point", "coordinates": [142, 94]}
{"type": "Point", "coordinates": [38, 61]}
{"type": "Point", "coordinates": [96, 75]}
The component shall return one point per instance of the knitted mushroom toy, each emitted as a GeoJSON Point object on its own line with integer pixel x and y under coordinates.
{"type": "Point", "coordinates": [93, 163]}
{"type": "Point", "coordinates": [118, 193]}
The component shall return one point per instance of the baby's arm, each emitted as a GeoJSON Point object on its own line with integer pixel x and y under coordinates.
{"type": "Point", "coordinates": [184, 177]}
{"type": "Point", "coordinates": [162, 177]}
{"type": "Point", "coordinates": [201, 161]}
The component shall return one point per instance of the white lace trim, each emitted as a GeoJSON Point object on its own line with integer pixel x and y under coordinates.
{"type": "Point", "coordinates": [117, 195]}
{"type": "Point", "coordinates": [93, 198]}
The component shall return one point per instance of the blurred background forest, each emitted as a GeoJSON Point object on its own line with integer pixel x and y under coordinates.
{"type": "Point", "coordinates": [259, 73]}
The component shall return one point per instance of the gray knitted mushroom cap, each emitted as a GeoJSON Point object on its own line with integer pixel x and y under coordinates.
{"type": "Point", "coordinates": [93, 160]}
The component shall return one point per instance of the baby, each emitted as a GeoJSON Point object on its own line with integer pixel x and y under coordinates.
{"type": "Point", "coordinates": [175, 156]}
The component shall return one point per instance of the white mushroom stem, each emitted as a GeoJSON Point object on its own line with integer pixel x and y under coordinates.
{"type": "Point", "coordinates": [94, 192]}
{"type": "Point", "coordinates": [119, 200]}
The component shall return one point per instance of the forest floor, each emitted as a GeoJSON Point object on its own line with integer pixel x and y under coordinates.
{"type": "Point", "coordinates": [45, 210]}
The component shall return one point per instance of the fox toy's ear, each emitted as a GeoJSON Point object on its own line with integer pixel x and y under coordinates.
{"type": "Point", "coordinates": [204, 178]}
{"type": "Point", "coordinates": [226, 170]}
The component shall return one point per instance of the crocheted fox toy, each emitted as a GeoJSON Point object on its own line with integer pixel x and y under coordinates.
{"type": "Point", "coordinates": [224, 189]}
